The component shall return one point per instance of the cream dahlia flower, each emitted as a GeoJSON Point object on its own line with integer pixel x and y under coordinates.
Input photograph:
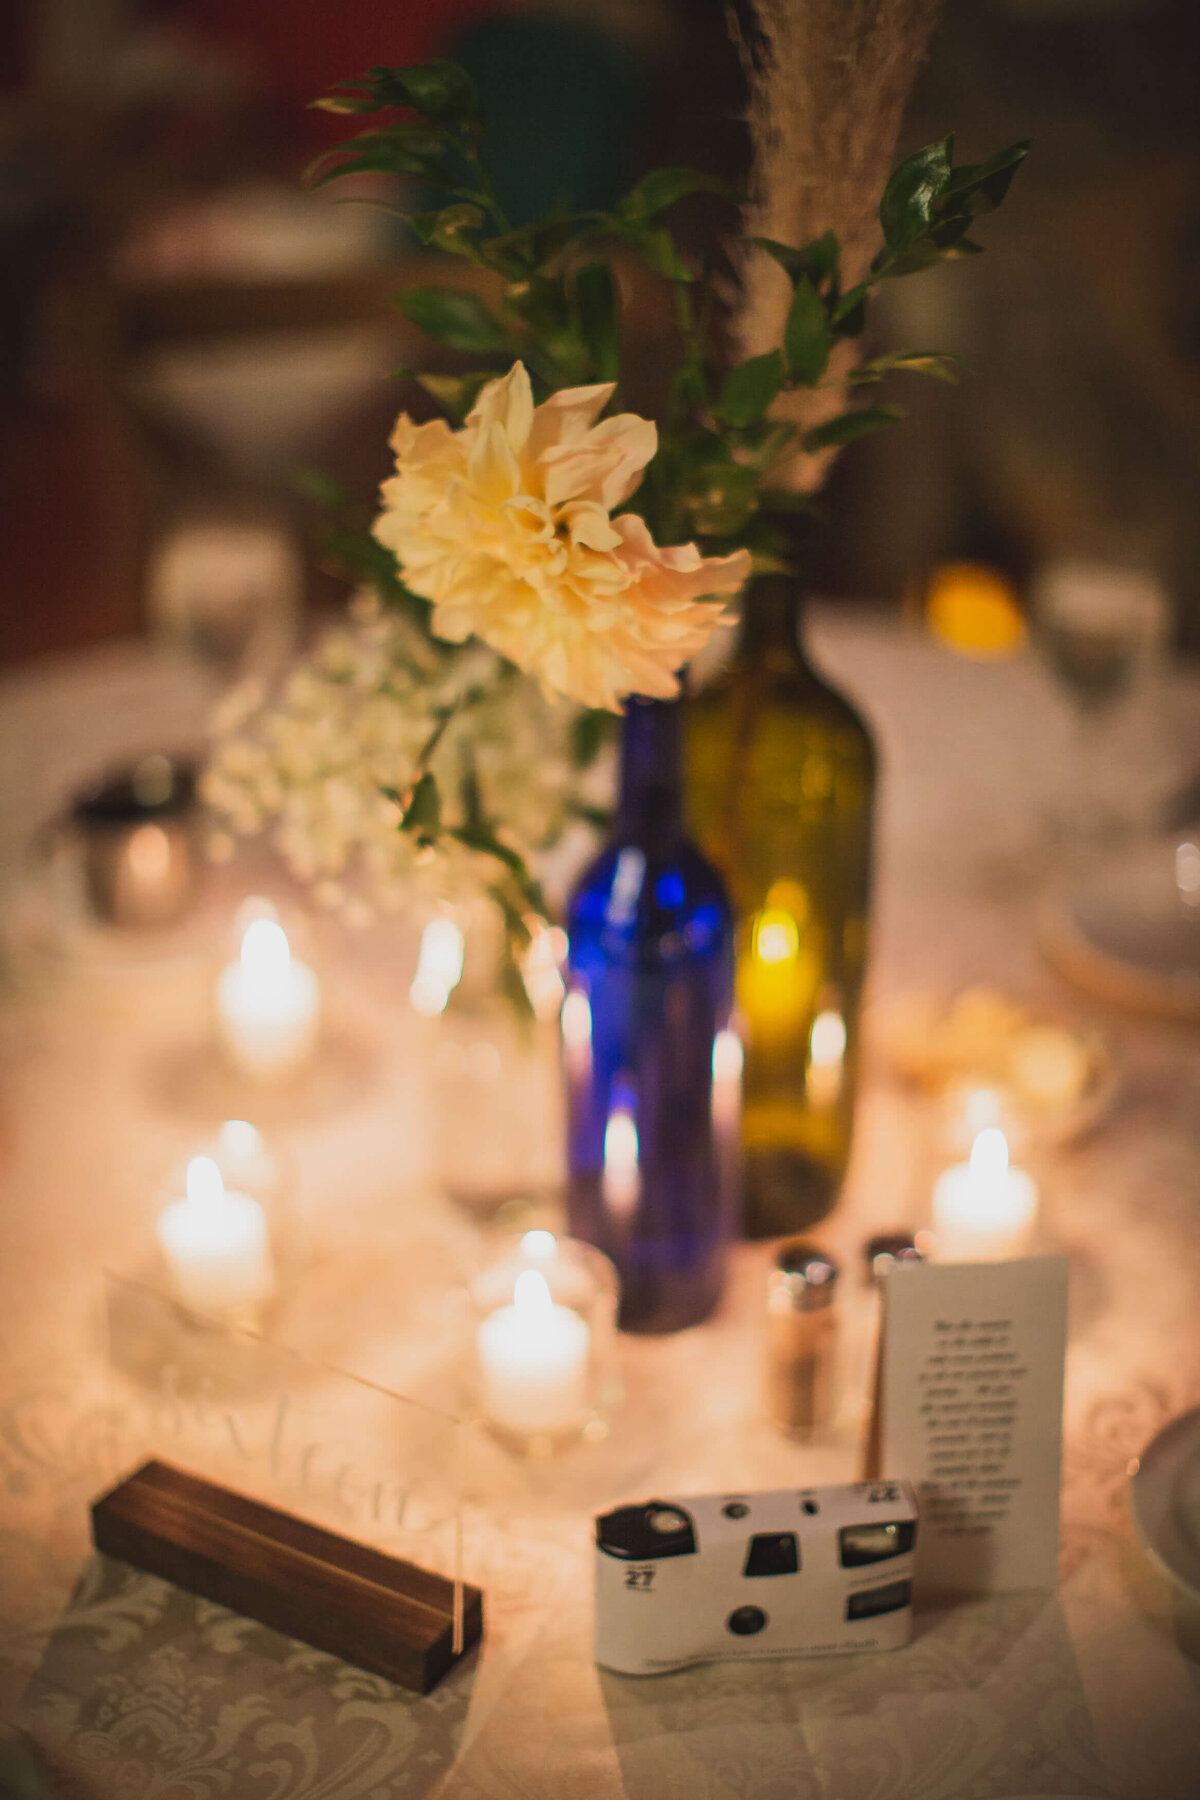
{"type": "Point", "coordinates": [506, 527]}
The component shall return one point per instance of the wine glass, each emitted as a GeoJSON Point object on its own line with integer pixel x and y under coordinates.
{"type": "Point", "coordinates": [1100, 628]}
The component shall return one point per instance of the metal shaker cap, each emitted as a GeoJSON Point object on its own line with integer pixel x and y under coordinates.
{"type": "Point", "coordinates": [885, 1252]}
{"type": "Point", "coordinates": [802, 1279]}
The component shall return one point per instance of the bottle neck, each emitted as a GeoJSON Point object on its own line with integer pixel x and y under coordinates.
{"type": "Point", "coordinates": [651, 801]}
{"type": "Point", "coordinates": [771, 622]}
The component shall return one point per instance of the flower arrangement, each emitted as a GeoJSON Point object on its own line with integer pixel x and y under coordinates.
{"type": "Point", "coordinates": [534, 544]}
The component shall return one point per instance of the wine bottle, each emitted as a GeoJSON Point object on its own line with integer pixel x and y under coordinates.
{"type": "Point", "coordinates": [780, 787]}
{"type": "Point", "coordinates": [652, 1132]}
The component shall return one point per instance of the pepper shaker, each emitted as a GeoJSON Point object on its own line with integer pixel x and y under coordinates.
{"type": "Point", "coordinates": [801, 1339]}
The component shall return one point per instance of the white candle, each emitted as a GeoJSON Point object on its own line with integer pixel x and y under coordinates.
{"type": "Point", "coordinates": [983, 1211]}
{"type": "Point", "coordinates": [268, 1005]}
{"type": "Point", "coordinates": [215, 1244]}
{"type": "Point", "coordinates": [533, 1362]}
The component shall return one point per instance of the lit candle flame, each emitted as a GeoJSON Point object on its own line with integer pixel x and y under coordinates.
{"type": "Point", "coordinates": [989, 1154]}
{"type": "Point", "coordinates": [205, 1188]}
{"type": "Point", "coordinates": [531, 1296]}
{"type": "Point", "coordinates": [540, 969]}
{"type": "Point", "coordinates": [728, 1057]}
{"type": "Point", "coordinates": [266, 955]}
{"type": "Point", "coordinates": [576, 1021]}
{"type": "Point", "coordinates": [539, 1246]}
{"type": "Point", "coordinates": [439, 968]}
{"type": "Point", "coordinates": [826, 1058]}
{"type": "Point", "coordinates": [776, 936]}
{"type": "Point", "coordinates": [237, 1137]}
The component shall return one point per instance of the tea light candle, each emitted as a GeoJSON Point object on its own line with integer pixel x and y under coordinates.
{"type": "Point", "coordinates": [268, 1005]}
{"type": "Point", "coordinates": [533, 1361]}
{"type": "Point", "coordinates": [984, 1211]}
{"type": "Point", "coordinates": [215, 1244]}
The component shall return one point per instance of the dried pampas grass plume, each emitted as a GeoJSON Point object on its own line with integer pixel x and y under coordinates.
{"type": "Point", "coordinates": [828, 82]}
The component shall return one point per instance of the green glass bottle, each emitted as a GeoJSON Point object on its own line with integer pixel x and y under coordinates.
{"type": "Point", "coordinates": [780, 791]}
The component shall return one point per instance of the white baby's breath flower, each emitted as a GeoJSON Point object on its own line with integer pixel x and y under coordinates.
{"type": "Point", "coordinates": [316, 769]}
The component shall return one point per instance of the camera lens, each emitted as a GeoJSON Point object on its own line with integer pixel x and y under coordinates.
{"type": "Point", "coordinates": [746, 1620]}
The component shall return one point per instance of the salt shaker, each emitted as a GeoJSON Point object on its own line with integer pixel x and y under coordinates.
{"type": "Point", "coordinates": [883, 1253]}
{"type": "Point", "coordinates": [801, 1339]}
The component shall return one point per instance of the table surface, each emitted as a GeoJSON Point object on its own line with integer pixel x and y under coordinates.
{"type": "Point", "coordinates": [132, 1688]}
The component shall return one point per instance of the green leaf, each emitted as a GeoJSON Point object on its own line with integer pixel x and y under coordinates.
{"type": "Point", "coordinates": [724, 498]}
{"type": "Point", "coordinates": [655, 244]}
{"type": "Point", "coordinates": [596, 300]}
{"type": "Point", "coordinates": [938, 363]}
{"type": "Point", "coordinates": [848, 426]}
{"type": "Point", "coordinates": [906, 209]}
{"type": "Point", "coordinates": [818, 260]}
{"type": "Point", "coordinates": [517, 253]}
{"type": "Point", "coordinates": [395, 149]}
{"type": "Point", "coordinates": [454, 317]}
{"type": "Point", "coordinates": [807, 339]}
{"type": "Point", "coordinates": [765, 444]}
{"type": "Point", "coordinates": [457, 394]}
{"type": "Point", "coordinates": [423, 814]}
{"type": "Point", "coordinates": [484, 840]}
{"type": "Point", "coordinates": [450, 229]}
{"type": "Point", "coordinates": [785, 500]}
{"type": "Point", "coordinates": [590, 731]}
{"type": "Point", "coordinates": [749, 390]}
{"type": "Point", "coordinates": [316, 485]}
{"type": "Point", "coordinates": [442, 91]}
{"type": "Point", "coordinates": [980, 187]}
{"type": "Point", "coordinates": [850, 314]}
{"type": "Point", "coordinates": [349, 99]}
{"type": "Point", "coordinates": [663, 187]}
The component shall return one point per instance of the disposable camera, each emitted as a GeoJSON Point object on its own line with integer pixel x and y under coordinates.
{"type": "Point", "coordinates": [796, 1572]}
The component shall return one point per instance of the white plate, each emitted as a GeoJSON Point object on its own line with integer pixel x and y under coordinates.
{"type": "Point", "coordinates": [1126, 931]}
{"type": "Point", "coordinates": [1164, 1498]}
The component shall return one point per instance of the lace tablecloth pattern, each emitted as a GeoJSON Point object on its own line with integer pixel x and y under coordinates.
{"type": "Point", "coordinates": [124, 1686]}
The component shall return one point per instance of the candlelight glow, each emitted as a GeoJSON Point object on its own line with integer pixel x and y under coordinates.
{"type": "Point", "coordinates": [539, 1246]}
{"type": "Point", "coordinates": [541, 972]}
{"type": "Point", "coordinates": [531, 1297]}
{"type": "Point", "coordinates": [266, 955]}
{"type": "Point", "coordinates": [776, 936]}
{"type": "Point", "coordinates": [205, 1187]}
{"type": "Point", "coordinates": [1187, 872]}
{"type": "Point", "coordinates": [727, 1057]}
{"type": "Point", "coordinates": [827, 1045]}
{"type": "Point", "coordinates": [989, 1154]}
{"type": "Point", "coordinates": [149, 853]}
{"type": "Point", "coordinates": [576, 1021]}
{"type": "Point", "coordinates": [237, 1137]}
{"type": "Point", "coordinates": [620, 1144]}
{"type": "Point", "coordinates": [439, 968]}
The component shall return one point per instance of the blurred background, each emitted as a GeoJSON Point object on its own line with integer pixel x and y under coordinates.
{"type": "Point", "coordinates": [182, 326]}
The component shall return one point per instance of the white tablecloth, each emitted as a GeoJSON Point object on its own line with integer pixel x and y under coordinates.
{"type": "Point", "coordinates": [131, 1688]}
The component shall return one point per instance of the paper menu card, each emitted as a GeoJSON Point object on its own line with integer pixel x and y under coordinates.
{"type": "Point", "coordinates": [972, 1396]}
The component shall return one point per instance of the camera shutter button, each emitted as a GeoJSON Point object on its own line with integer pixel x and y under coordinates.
{"type": "Point", "coordinates": [666, 1520]}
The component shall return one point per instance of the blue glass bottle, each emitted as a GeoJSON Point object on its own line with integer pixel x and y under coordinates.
{"type": "Point", "coordinates": [651, 1149]}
